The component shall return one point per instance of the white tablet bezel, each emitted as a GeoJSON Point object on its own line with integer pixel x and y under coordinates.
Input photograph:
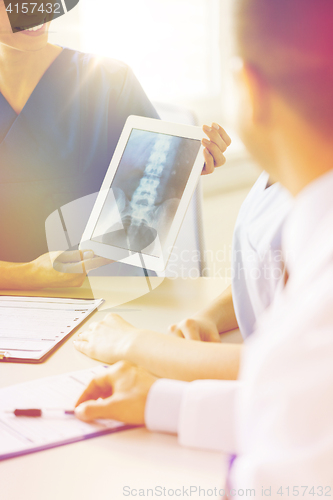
{"type": "Point", "coordinates": [150, 262]}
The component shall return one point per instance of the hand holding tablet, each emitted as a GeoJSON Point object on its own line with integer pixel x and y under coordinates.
{"type": "Point", "coordinates": [146, 192]}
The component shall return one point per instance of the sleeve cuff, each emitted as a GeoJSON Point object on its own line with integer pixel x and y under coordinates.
{"type": "Point", "coordinates": [163, 405]}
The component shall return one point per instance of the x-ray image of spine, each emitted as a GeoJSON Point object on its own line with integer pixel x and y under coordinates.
{"type": "Point", "coordinates": [140, 223]}
{"type": "Point", "coordinates": [147, 189]}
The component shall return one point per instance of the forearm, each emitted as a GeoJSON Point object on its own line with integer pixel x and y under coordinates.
{"type": "Point", "coordinates": [14, 276]}
{"type": "Point", "coordinates": [175, 358]}
{"type": "Point", "coordinates": [50, 270]}
{"type": "Point", "coordinates": [222, 312]}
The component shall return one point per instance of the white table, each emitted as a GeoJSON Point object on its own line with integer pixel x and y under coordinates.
{"type": "Point", "coordinates": [102, 467]}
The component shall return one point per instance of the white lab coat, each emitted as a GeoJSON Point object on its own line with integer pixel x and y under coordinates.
{"type": "Point", "coordinates": [257, 271]}
{"type": "Point", "coordinates": [278, 418]}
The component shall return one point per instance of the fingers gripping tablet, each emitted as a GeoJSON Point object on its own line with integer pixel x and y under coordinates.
{"type": "Point", "coordinates": [146, 192]}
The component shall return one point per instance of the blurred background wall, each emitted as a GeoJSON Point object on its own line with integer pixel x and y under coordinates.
{"type": "Point", "coordinates": [180, 52]}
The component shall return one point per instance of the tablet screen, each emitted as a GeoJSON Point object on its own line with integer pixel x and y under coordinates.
{"type": "Point", "coordinates": [145, 192]}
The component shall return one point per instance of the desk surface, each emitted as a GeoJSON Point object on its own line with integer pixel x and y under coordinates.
{"type": "Point", "coordinates": [102, 467]}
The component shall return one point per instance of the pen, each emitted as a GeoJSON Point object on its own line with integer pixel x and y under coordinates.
{"type": "Point", "coordinates": [37, 412]}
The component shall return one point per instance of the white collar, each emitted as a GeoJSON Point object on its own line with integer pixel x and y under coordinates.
{"type": "Point", "coordinates": [308, 226]}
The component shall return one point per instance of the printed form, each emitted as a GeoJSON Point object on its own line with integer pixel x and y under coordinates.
{"type": "Point", "coordinates": [30, 327]}
{"type": "Point", "coordinates": [22, 435]}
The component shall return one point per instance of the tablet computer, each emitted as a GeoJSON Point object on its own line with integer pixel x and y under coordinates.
{"type": "Point", "coordinates": [145, 194]}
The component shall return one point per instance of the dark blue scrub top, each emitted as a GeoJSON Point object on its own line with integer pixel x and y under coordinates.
{"type": "Point", "coordinates": [59, 147]}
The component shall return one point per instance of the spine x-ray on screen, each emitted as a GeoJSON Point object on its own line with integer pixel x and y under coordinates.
{"type": "Point", "coordinates": [146, 190]}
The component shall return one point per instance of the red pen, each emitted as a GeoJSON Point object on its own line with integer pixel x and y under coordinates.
{"type": "Point", "coordinates": [37, 412]}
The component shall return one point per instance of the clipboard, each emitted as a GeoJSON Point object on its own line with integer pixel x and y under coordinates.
{"type": "Point", "coordinates": [24, 435]}
{"type": "Point", "coordinates": [31, 328]}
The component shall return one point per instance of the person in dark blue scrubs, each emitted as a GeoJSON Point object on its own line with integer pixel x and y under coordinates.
{"type": "Point", "coordinates": [60, 145]}
{"type": "Point", "coordinates": [61, 115]}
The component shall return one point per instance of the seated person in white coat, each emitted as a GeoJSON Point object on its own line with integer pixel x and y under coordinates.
{"type": "Point", "coordinates": [281, 407]}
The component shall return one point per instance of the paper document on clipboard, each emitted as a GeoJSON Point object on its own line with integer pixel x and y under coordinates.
{"type": "Point", "coordinates": [31, 327]}
{"type": "Point", "coordinates": [22, 435]}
